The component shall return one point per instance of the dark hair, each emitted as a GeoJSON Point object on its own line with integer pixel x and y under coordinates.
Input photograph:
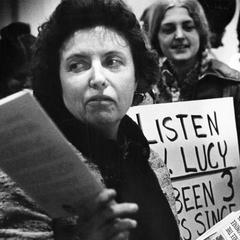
{"type": "Point", "coordinates": [238, 32]}
{"type": "Point", "coordinates": [154, 14]}
{"type": "Point", "coordinates": [16, 44]}
{"type": "Point", "coordinates": [72, 15]}
{"type": "Point", "coordinates": [219, 15]}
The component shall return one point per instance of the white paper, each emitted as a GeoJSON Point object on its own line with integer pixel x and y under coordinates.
{"type": "Point", "coordinates": [36, 155]}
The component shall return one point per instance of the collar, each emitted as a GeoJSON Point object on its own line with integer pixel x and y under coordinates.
{"type": "Point", "coordinates": [94, 146]}
{"type": "Point", "coordinates": [168, 69]}
{"type": "Point", "coordinates": [171, 89]}
{"type": "Point", "coordinates": [221, 70]}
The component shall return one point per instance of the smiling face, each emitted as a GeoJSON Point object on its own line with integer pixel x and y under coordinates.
{"type": "Point", "coordinates": [178, 37]}
{"type": "Point", "coordinates": [97, 77]}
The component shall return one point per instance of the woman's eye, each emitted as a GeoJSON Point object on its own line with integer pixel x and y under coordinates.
{"type": "Point", "coordinates": [189, 27]}
{"type": "Point", "coordinates": [113, 63]}
{"type": "Point", "coordinates": [167, 29]}
{"type": "Point", "coordinates": [78, 66]}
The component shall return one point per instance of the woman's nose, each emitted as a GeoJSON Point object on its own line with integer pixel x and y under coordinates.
{"type": "Point", "coordinates": [179, 33]}
{"type": "Point", "coordinates": [98, 79]}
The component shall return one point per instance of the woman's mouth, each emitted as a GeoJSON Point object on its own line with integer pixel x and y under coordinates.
{"type": "Point", "coordinates": [180, 46]}
{"type": "Point", "coordinates": [100, 99]}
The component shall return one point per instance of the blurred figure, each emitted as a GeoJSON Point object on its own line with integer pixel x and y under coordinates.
{"type": "Point", "coordinates": [219, 14]}
{"type": "Point", "coordinates": [235, 59]}
{"type": "Point", "coordinates": [15, 55]}
{"type": "Point", "coordinates": [178, 30]}
{"type": "Point", "coordinates": [238, 32]}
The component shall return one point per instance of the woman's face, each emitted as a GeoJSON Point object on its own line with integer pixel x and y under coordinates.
{"type": "Point", "coordinates": [178, 37]}
{"type": "Point", "coordinates": [97, 76]}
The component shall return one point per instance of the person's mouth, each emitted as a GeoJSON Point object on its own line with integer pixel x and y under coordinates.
{"type": "Point", "coordinates": [180, 46]}
{"type": "Point", "coordinates": [100, 99]}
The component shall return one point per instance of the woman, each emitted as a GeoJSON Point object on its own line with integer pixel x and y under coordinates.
{"type": "Point", "coordinates": [179, 32]}
{"type": "Point", "coordinates": [90, 58]}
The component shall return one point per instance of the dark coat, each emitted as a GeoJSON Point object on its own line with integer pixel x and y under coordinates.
{"type": "Point", "coordinates": [124, 166]}
{"type": "Point", "coordinates": [220, 81]}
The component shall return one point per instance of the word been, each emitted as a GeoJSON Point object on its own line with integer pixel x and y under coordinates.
{"type": "Point", "coordinates": [201, 195]}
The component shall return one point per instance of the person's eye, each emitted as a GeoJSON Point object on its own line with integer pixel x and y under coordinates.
{"type": "Point", "coordinates": [189, 27]}
{"type": "Point", "coordinates": [78, 66]}
{"type": "Point", "coordinates": [167, 29]}
{"type": "Point", "coordinates": [113, 62]}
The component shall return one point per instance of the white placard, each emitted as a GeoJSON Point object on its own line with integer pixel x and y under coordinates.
{"type": "Point", "coordinates": [198, 142]}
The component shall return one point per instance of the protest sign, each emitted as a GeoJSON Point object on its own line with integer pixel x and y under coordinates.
{"type": "Point", "coordinates": [198, 142]}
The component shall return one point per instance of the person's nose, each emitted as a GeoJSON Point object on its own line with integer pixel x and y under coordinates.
{"type": "Point", "coordinates": [179, 33]}
{"type": "Point", "coordinates": [98, 79]}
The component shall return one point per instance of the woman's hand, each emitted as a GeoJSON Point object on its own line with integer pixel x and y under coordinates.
{"type": "Point", "coordinates": [108, 220]}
